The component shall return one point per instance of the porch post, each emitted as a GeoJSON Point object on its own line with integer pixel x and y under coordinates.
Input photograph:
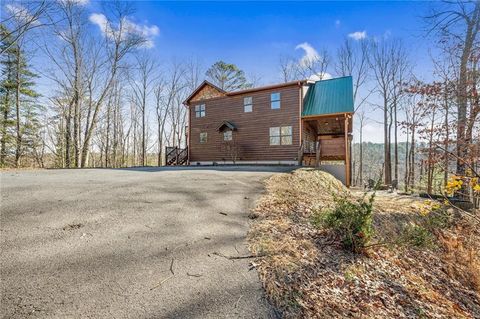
{"type": "Point", "coordinates": [165, 155]}
{"type": "Point", "coordinates": [347, 154]}
{"type": "Point", "coordinates": [300, 154]}
{"type": "Point", "coordinates": [317, 153]}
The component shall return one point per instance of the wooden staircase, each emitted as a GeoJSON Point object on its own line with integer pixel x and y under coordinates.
{"type": "Point", "coordinates": [176, 156]}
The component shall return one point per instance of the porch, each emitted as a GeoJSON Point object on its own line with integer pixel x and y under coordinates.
{"type": "Point", "coordinates": [326, 127]}
{"type": "Point", "coordinates": [326, 143]}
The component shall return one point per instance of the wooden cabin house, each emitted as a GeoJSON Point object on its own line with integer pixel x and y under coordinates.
{"type": "Point", "coordinates": [298, 123]}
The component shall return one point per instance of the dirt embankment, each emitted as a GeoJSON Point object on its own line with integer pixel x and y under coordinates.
{"type": "Point", "coordinates": [307, 274]}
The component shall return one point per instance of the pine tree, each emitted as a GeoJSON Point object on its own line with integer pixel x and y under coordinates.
{"type": "Point", "coordinates": [19, 108]}
{"type": "Point", "coordinates": [227, 76]}
{"type": "Point", "coordinates": [7, 92]}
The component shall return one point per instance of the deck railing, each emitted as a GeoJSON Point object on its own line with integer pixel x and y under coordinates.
{"type": "Point", "coordinates": [176, 156]}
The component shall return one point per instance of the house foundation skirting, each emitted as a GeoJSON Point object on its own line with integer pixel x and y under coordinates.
{"type": "Point", "coordinates": [194, 163]}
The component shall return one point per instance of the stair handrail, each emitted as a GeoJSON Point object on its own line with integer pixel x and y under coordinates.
{"type": "Point", "coordinates": [175, 155]}
{"type": "Point", "coordinates": [169, 154]}
{"type": "Point", "coordinates": [185, 152]}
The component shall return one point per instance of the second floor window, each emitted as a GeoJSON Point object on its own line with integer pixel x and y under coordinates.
{"type": "Point", "coordinates": [203, 138]}
{"type": "Point", "coordinates": [281, 135]}
{"type": "Point", "coordinates": [247, 104]}
{"type": "Point", "coordinates": [200, 110]}
{"type": "Point", "coordinates": [275, 100]}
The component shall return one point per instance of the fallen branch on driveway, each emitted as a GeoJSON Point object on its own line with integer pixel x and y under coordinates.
{"type": "Point", "coordinates": [171, 266]}
{"type": "Point", "coordinates": [161, 282]}
{"type": "Point", "coordinates": [238, 257]}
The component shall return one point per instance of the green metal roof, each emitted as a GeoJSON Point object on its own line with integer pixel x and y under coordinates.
{"type": "Point", "coordinates": [329, 97]}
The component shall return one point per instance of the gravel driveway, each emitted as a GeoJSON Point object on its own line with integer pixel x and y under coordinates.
{"type": "Point", "coordinates": [129, 243]}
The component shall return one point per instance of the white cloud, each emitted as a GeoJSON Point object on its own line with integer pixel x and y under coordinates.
{"type": "Point", "coordinates": [130, 27]}
{"type": "Point", "coordinates": [358, 35]}
{"type": "Point", "coordinates": [147, 32]}
{"type": "Point", "coordinates": [320, 76]}
{"type": "Point", "coordinates": [21, 13]}
{"type": "Point", "coordinates": [337, 23]}
{"type": "Point", "coordinates": [310, 54]}
{"type": "Point", "coordinates": [101, 21]}
{"type": "Point", "coordinates": [308, 60]}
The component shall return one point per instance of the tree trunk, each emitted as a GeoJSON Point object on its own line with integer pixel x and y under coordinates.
{"type": "Point", "coordinates": [3, 142]}
{"type": "Point", "coordinates": [405, 178]}
{"type": "Point", "coordinates": [430, 167]}
{"type": "Point", "coordinates": [360, 168]}
{"type": "Point", "coordinates": [396, 139]}
{"type": "Point", "coordinates": [387, 152]}
{"type": "Point", "coordinates": [76, 121]}
{"type": "Point", "coordinates": [161, 127]}
{"type": "Point", "coordinates": [462, 93]}
{"type": "Point", "coordinates": [18, 145]}
{"type": "Point", "coordinates": [68, 136]}
{"type": "Point", "coordinates": [107, 135]}
{"type": "Point", "coordinates": [447, 137]}
{"type": "Point", "coordinates": [412, 161]}
{"type": "Point", "coordinates": [143, 137]}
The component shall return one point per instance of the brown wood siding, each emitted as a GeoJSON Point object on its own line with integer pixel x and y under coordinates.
{"type": "Point", "coordinates": [253, 128]}
{"type": "Point", "coordinates": [333, 148]}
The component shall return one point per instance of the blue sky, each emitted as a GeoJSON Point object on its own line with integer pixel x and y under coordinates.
{"type": "Point", "coordinates": [254, 34]}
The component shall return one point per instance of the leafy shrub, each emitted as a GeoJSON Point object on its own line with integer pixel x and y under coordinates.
{"type": "Point", "coordinates": [350, 220]}
{"type": "Point", "coordinates": [418, 236]}
{"type": "Point", "coordinates": [438, 218]}
{"type": "Point", "coordinates": [433, 217]}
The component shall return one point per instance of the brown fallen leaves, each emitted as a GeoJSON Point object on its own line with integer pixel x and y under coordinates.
{"type": "Point", "coordinates": [307, 275]}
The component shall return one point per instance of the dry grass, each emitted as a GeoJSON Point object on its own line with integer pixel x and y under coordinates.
{"type": "Point", "coordinates": [461, 252]}
{"type": "Point", "coordinates": [307, 275]}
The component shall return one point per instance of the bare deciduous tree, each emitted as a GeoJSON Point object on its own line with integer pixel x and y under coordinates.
{"type": "Point", "coordinates": [352, 59]}
{"type": "Point", "coordinates": [459, 22]}
{"type": "Point", "coordinates": [141, 86]}
{"type": "Point", "coordinates": [23, 17]}
{"type": "Point", "coordinates": [288, 68]}
{"type": "Point", "coordinates": [385, 59]}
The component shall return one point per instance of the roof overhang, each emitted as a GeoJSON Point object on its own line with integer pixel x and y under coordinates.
{"type": "Point", "coordinates": [227, 125]}
{"type": "Point", "coordinates": [250, 90]}
{"type": "Point", "coordinates": [330, 124]}
{"type": "Point", "coordinates": [344, 114]}
{"type": "Point", "coordinates": [268, 87]}
{"type": "Point", "coordinates": [200, 87]}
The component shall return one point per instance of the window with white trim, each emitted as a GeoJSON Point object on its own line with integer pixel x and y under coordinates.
{"type": "Point", "coordinates": [228, 135]}
{"type": "Point", "coordinates": [275, 100]}
{"type": "Point", "coordinates": [200, 110]}
{"type": "Point", "coordinates": [247, 104]}
{"type": "Point", "coordinates": [281, 135]}
{"type": "Point", "coordinates": [203, 138]}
